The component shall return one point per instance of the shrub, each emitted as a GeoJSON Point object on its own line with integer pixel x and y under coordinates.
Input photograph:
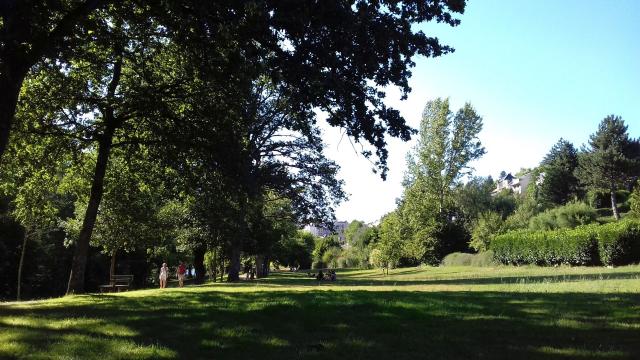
{"type": "Point", "coordinates": [568, 216]}
{"type": "Point", "coordinates": [485, 258]}
{"type": "Point", "coordinates": [489, 225]}
{"type": "Point", "coordinates": [634, 201]}
{"type": "Point", "coordinates": [610, 244]}
{"type": "Point", "coordinates": [457, 259]}
{"type": "Point", "coordinates": [602, 199]}
{"type": "Point", "coordinates": [619, 243]}
{"type": "Point", "coordinates": [572, 247]}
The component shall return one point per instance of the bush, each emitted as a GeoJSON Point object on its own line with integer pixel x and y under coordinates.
{"type": "Point", "coordinates": [610, 244]}
{"type": "Point", "coordinates": [489, 225]}
{"type": "Point", "coordinates": [567, 216]}
{"type": "Point", "coordinates": [619, 243]}
{"type": "Point", "coordinates": [463, 259]}
{"type": "Point", "coordinates": [602, 199]}
{"type": "Point", "coordinates": [457, 259]}
{"type": "Point", "coordinates": [634, 201]}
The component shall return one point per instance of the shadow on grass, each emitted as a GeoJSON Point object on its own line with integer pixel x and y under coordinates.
{"type": "Point", "coordinates": [355, 281]}
{"type": "Point", "coordinates": [329, 325]}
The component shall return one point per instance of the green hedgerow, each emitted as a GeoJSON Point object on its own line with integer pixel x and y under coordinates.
{"type": "Point", "coordinates": [610, 244]}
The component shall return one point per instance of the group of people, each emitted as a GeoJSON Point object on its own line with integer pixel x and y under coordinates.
{"type": "Point", "coordinates": [181, 271]}
{"type": "Point", "coordinates": [329, 276]}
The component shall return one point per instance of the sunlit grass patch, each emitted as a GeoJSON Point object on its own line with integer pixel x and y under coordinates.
{"type": "Point", "coordinates": [576, 353]}
{"type": "Point", "coordinates": [76, 346]}
{"type": "Point", "coordinates": [445, 313]}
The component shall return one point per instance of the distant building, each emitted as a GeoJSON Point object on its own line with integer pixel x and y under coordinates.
{"type": "Point", "coordinates": [516, 184]}
{"type": "Point", "coordinates": [321, 231]}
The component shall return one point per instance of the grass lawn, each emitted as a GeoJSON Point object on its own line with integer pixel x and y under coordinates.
{"type": "Point", "coordinates": [414, 313]}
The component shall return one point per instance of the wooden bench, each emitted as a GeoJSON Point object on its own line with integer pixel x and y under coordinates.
{"type": "Point", "coordinates": [117, 283]}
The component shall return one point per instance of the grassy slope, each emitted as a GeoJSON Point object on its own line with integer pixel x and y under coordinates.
{"type": "Point", "coordinates": [434, 313]}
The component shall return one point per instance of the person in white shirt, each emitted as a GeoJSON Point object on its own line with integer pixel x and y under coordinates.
{"type": "Point", "coordinates": [164, 274]}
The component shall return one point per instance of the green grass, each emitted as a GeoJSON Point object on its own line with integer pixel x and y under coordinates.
{"type": "Point", "coordinates": [414, 313]}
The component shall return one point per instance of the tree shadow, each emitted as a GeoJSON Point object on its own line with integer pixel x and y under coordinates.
{"type": "Point", "coordinates": [301, 280]}
{"type": "Point", "coordinates": [336, 324]}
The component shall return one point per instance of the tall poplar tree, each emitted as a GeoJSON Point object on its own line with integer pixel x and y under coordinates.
{"type": "Point", "coordinates": [447, 143]}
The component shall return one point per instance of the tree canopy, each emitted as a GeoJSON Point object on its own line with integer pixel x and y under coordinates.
{"type": "Point", "coordinates": [610, 160]}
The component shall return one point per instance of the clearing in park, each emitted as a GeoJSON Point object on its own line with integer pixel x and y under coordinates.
{"type": "Point", "coordinates": [413, 313]}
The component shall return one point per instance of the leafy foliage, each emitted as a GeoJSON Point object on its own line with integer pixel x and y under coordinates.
{"type": "Point", "coordinates": [611, 159]}
{"type": "Point", "coordinates": [635, 201]}
{"type": "Point", "coordinates": [619, 243]}
{"type": "Point", "coordinates": [615, 243]}
{"type": "Point", "coordinates": [428, 221]}
{"type": "Point", "coordinates": [559, 184]}
{"type": "Point", "coordinates": [489, 225]}
{"type": "Point", "coordinates": [568, 216]}
{"type": "Point", "coordinates": [390, 247]}
{"type": "Point", "coordinates": [485, 258]}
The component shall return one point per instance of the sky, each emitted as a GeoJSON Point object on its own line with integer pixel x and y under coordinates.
{"type": "Point", "coordinates": [535, 71]}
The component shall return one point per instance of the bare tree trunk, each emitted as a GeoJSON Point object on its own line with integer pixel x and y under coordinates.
{"type": "Point", "coordinates": [260, 266]}
{"type": "Point", "coordinates": [21, 264]}
{"type": "Point", "coordinates": [198, 264]}
{"type": "Point", "coordinates": [614, 205]}
{"type": "Point", "coordinates": [76, 278]}
{"type": "Point", "coordinates": [105, 141]}
{"type": "Point", "coordinates": [214, 265]}
{"type": "Point", "coordinates": [112, 269]}
{"type": "Point", "coordinates": [10, 83]}
{"type": "Point", "coordinates": [221, 262]}
{"type": "Point", "coordinates": [234, 266]}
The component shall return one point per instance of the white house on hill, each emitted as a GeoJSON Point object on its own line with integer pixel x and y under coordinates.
{"type": "Point", "coordinates": [517, 184]}
{"type": "Point", "coordinates": [339, 227]}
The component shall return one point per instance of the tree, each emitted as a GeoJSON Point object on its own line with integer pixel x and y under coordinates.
{"type": "Point", "coordinates": [32, 181]}
{"type": "Point", "coordinates": [133, 195]}
{"type": "Point", "coordinates": [325, 250]}
{"type": "Point", "coordinates": [447, 144]}
{"type": "Point", "coordinates": [610, 161]}
{"type": "Point", "coordinates": [489, 224]}
{"type": "Point", "coordinates": [559, 184]}
{"type": "Point", "coordinates": [220, 50]}
{"type": "Point", "coordinates": [391, 243]}
{"type": "Point", "coordinates": [332, 76]}
{"type": "Point", "coordinates": [378, 260]}
{"type": "Point", "coordinates": [29, 31]}
{"type": "Point", "coordinates": [360, 239]}
{"type": "Point", "coordinates": [635, 200]}
{"type": "Point", "coordinates": [474, 197]}
{"type": "Point", "coordinates": [295, 251]}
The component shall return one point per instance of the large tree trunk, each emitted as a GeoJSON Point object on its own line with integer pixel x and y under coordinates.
{"type": "Point", "coordinates": [76, 278]}
{"type": "Point", "coordinates": [21, 264]}
{"type": "Point", "coordinates": [213, 265]}
{"type": "Point", "coordinates": [112, 268]}
{"type": "Point", "coordinates": [221, 262]}
{"type": "Point", "coordinates": [260, 266]}
{"type": "Point", "coordinates": [10, 83]}
{"type": "Point", "coordinates": [234, 266]}
{"type": "Point", "coordinates": [198, 264]}
{"type": "Point", "coordinates": [614, 205]}
{"type": "Point", "coordinates": [105, 141]}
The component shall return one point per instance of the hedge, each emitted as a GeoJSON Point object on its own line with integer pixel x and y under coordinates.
{"type": "Point", "coordinates": [610, 244]}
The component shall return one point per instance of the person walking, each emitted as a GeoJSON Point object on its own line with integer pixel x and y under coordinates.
{"type": "Point", "coordinates": [181, 271]}
{"type": "Point", "coordinates": [164, 274]}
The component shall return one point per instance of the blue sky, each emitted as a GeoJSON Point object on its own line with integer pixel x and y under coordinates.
{"type": "Point", "coordinates": [535, 70]}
